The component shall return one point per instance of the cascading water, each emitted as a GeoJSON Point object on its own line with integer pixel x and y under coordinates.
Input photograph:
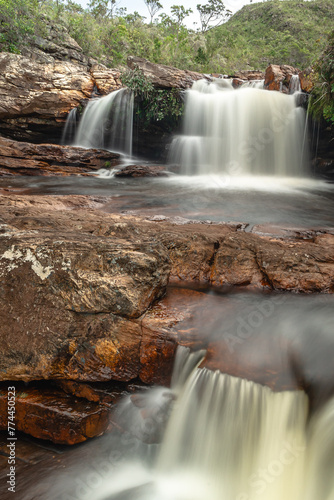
{"type": "Point", "coordinates": [70, 128]}
{"type": "Point", "coordinates": [294, 85]}
{"type": "Point", "coordinates": [231, 439]}
{"type": "Point", "coordinates": [240, 132]}
{"type": "Point", "coordinates": [107, 123]}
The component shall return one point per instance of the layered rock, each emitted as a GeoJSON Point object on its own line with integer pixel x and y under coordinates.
{"type": "Point", "coordinates": [249, 75]}
{"type": "Point", "coordinates": [36, 96]}
{"type": "Point", "coordinates": [22, 158]}
{"type": "Point", "coordinates": [165, 76]}
{"type": "Point", "coordinates": [53, 415]}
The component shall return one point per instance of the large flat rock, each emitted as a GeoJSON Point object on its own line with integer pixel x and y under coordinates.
{"type": "Point", "coordinates": [23, 158]}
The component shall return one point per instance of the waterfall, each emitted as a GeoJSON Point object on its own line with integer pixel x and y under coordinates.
{"type": "Point", "coordinates": [247, 131]}
{"type": "Point", "coordinates": [294, 85]}
{"type": "Point", "coordinates": [107, 123]}
{"type": "Point", "coordinates": [231, 439]}
{"type": "Point", "coordinates": [70, 128]}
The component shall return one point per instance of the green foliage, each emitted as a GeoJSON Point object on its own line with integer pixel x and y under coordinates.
{"type": "Point", "coordinates": [153, 104]}
{"type": "Point", "coordinates": [277, 31]}
{"type": "Point", "coordinates": [19, 20]}
{"type": "Point", "coordinates": [212, 12]}
{"type": "Point", "coordinates": [322, 97]}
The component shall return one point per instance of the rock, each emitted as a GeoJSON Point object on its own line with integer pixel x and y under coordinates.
{"type": "Point", "coordinates": [106, 80]}
{"type": "Point", "coordinates": [237, 82]}
{"type": "Point", "coordinates": [142, 171]}
{"type": "Point", "coordinates": [37, 96]}
{"type": "Point", "coordinates": [278, 77]}
{"type": "Point", "coordinates": [54, 415]}
{"type": "Point", "coordinates": [22, 158]}
{"type": "Point", "coordinates": [77, 284]}
{"type": "Point", "coordinates": [306, 80]}
{"type": "Point", "coordinates": [249, 75]}
{"type": "Point", "coordinates": [165, 77]}
{"type": "Point", "coordinates": [73, 300]}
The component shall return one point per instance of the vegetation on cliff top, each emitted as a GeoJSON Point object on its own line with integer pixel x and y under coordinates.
{"type": "Point", "coordinates": [277, 31]}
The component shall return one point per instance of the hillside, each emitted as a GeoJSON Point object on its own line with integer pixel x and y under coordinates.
{"type": "Point", "coordinates": [278, 31]}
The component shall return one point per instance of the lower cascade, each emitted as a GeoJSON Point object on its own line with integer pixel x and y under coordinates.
{"type": "Point", "coordinates": [228, 439]}
{"type": "Point", "coordinates": [107, 123]}
{"type": "Point", "coordinates": [241, 132]}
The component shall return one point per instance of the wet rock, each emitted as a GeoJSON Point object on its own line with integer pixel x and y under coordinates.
{"type": "Point", "coordinates": [278, 77]}
{"type": "Point", "coordinates": [165, 76]}
{"type": "Point", "coordinates": [68, 304]}
{"type": "Point", "coordinates": [142, 171]}
{"type": "Point", "coordinates": [54, 415]}
{"type": "Point", "coordinates": [22, 158]}
{"type": "Point", "coordinates": [107, 393]}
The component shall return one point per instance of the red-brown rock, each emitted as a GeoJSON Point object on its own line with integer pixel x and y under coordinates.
{"type": "Point", "coordinates": [54, 415]}
{"type": "Point", "coordinates": [278, 77]}
{"type": "Point", "coordinates": [22, 158]}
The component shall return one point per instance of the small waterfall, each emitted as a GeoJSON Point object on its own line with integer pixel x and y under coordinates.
{"type": "Point", "coordinates": [70, 128]}
{"type": "Point", "coordinates": [231, 439]}
{"type": "Point", "coordinates": [247, 131]}
{"type": "Point", "coordinates": [107, 123]}
{"type": "Point", "coordinates": [253, 84]}
{"type": "Point", "coordinates": [294, 85]}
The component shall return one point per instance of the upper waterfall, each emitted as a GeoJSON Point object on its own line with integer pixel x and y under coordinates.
{"type": "Point", "coordinates": [240, 132]}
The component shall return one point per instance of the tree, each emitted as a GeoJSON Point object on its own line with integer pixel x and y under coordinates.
{"type": "Point", "coordinates": [153, 7]}
{"type": "Point", "coordinates": [180, 13]}
{"type": "Point", "coordinates": [102, 8]}
{"type": "Point", "coordinates": [212, 12]}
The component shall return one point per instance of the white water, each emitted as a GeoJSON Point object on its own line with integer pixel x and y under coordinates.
{"type": "Point", "coordinates": [107, 123]}
{"type": "Point", "coordinates": [231, 439]}
{"type": "Point", "coordinates": [247, 131]}
{"type": "Point", "coordinates": [294, 85]}
{"type": "Point", "coordinates": [70, 128]}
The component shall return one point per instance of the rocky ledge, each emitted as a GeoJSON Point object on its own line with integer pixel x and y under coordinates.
{"type": "Point", "coordinates": [82, 296]}
{"type": "Point", "coordinates": [23, 158]}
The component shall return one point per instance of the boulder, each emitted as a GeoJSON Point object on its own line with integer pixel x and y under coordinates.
{"type": "Point", "coordinates": [278, 77]}
{"type": "Point", "coordinates": [165, 77]}
{"type": "Point", "coordinates": [53, 415]}
{"type": "Point", "coordinates": [22, 158]}
{"type": "Point", "coordinates": [142, 171]}
{"type": "Point", "coordinates": [74, 299]}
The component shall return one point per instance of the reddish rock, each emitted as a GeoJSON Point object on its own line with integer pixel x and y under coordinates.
{"type": "Point", "coordinates": [278, 77]}
{"type": "Point", "coordinates": [249, 75]}
{"type": "Point", "coordinates": [54, 415]}
{"type": "Point", "coordinates": [237, 82]}
{"type": "Point", "coordinates": [142, 171]}
{"type": "Point", "coordinates": [306, 80]}
{"type": "Point", "coordinates": [22, 158]}
{"type": "Point", "coordinates": [165, 76]}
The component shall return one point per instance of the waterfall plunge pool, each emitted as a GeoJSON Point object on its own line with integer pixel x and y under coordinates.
{"type": "Point", "coordinates": [288, 202]}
